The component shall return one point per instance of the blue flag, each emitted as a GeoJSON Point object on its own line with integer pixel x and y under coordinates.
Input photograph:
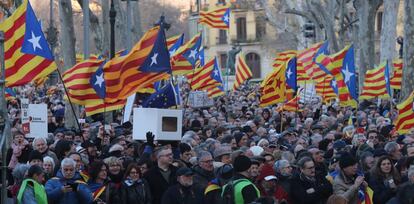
{"type": "Point", "coordinates": [201, 57]}
{"type": "Point", "coordinates": [193, 53]}
{"type": "Point", "coordinates": [166, 97]}
{"type": "Point", "coordinates": [291, 76]}
{"type": "Point", "coordinates": [97, 81]}
{"type": "Point", "coordinates": [322, 50]}
{"type": "Point", "coordinates": [159, 58]}
{"type": "Point", "coordinates": [387, 79]}
{"type": "Point", "coordinates": [348, 72]}
{"type": "Point", "coordinates": [216, 74]}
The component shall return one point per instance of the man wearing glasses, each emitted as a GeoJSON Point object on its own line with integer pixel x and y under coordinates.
{"type": "Point", "coordinates": [163, 175]}
{"type": "Point", "coordinates": [308, 187]}
{"type": "Point", "coordinates": [67, 186]}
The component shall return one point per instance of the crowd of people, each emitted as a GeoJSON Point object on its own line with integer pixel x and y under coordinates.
{"type": "Point", "coordinates": [232, 152]}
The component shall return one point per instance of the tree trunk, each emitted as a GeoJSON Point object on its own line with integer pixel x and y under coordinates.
{"type": "Point", "coordinates": [328, 21]}
{"type": "Point", "coordinates": [366, 11]}
{"type": "Point", "coordinates": [136, 16]}
{"type": "Point", "coordinates": [120, 27]}
{"type": "Point", "coordinates": [408, 49]}
{"type": "Point", "coordinates": [389, 30]}
{"type": "Point", "coordinates": [95, 28]}
{"type": "Point", "coordinates": [105, 27]}
{"type": "Point", "coordinates": [68, 52]}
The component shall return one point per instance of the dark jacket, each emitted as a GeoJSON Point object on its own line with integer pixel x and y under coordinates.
{"type": "Point", "coordinates": [110, 195]}
{"type": "Point", "coordinates": [178, 194]}
{"type": "Point", "coordinates": [158, 185]}
{"type": "Point", "coordinates": [201, 178]}
{"type": "Point", "coordinates": [382, 193]}
{"type": "Point", "coordinates": [299, 185]}
{"type": "Point", "coordinates": [137, 192]}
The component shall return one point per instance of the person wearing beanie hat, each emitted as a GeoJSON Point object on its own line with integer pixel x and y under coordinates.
{"type": "Point", "coordinates": [347, 183]}
{"type": "Point", "coordinates": [185, 154]}
{"type": "Point", "coordinates": [240, 189]}
{"type": "Point", "coordinates": [241, 139]}
{"type": "Point", "coordinates": [35, 158]}
{"type": "Point", "coordinates": [222, 154]}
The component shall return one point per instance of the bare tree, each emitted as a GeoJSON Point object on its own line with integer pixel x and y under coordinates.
{"type": "Point", "coordinates": [68, 51]}
{"type": "Point", "coordinates": [389, 30]}
{"type": "Point", "coordinates": [408, 49]}
{"type": "Point", "coordinates": [105, 26]}
{"type": "Point", "coordinates": [366, 12]}
{"type": "Point", "coordinates": [95, 28]}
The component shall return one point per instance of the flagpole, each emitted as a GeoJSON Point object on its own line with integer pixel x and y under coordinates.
{"type": "Point", "coordinates": [70, 101]}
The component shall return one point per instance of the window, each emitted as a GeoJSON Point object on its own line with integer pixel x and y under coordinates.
{"type": "Point", "coordinates": [221, 2]}
{"type": "Point", "coordinates": [260, 27]}
{"type": "Point", "coordinates": [379, 21]}
{"type": "Point", "coordinates": [223, 62]}
{"type": "Point", "coordinates": [222, 37]}
{"type": "Point", "coordinates": [241, 29]}
{"type": "Point", "coordinates": [253, 61]}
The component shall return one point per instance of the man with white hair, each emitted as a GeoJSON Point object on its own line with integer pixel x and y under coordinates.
{"type": "Point", "coordinates": [67, 187]}
{"type": "Point", "coordinates": [40, 144]}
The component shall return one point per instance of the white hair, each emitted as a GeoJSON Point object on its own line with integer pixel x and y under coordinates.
{"type": "Point", "coordinates": [68, 161]}
{"type": "Point", "coordinates": [38, 139]}
{"type": "Point", "coordinates": [47, 159]}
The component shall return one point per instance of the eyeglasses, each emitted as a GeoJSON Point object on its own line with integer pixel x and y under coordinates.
{"type": "Point", "coordinates": [208, 161]}
{"type": "Point", "coordinates": [64, 169]}
{"type": "Point", "coordinates": [133, 172]}
{"type": "Point", "coordinates": [309, 168]}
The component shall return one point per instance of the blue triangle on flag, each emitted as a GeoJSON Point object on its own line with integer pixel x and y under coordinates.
{"type": "Point", "coordinates": [159, 58]}
{"type": "Point", "coordinates": [97, 81]}
{"type": "Point", "coordinates": [34, 42]}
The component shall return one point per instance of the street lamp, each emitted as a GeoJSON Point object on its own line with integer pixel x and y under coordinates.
{"type": "Point", "coordinates": [112, 15]}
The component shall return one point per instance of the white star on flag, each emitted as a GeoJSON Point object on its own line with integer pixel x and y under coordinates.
{"type": "Point", "coordinates": [192, 54]}
{"type": "Point", "coordinates": [289, 72]}
{"type": "Point", "coordinates": [226, 18]}
{"type": "Point", "coordinates": [172, 52]}
{"type": "Point", "coordinates": [347, 74]}
{"type": "Point", "coordinates": [334, 83]}
{"type": "Point", "coordinates": [99, 80]}
{"type": "Point", "coordinates": [35, 41]}
{"type": "Point", "coordinates": [154, 59]}
{"type": "Point", "coordinates": [216, 72]}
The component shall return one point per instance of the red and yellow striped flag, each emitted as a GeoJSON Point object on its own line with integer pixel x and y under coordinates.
{"type": "Point", "coordinates": [26, 52]}
{"type": "Point", "coordinates": [292, 105]}
{"type": "Point", "coordinates": [179, 63]}
{"type": "Point", "coordinates": [283, 57]}
{"type": "Point", "coordinates": [273, 88]}
{"type": "Point", "coordinates": [215, 91]}
{"type": "Point", "coordinates": [324, 88]}
{"type": "Point", "coordinates": [216, 18]}
{"type": "Point", "coordinates": [306, 65]}
{"type": "Point", "coordinates": [172, 40]}
{"type": "Point", "coordinates": [396, 78]}
{"type": "Point", "coordinates": [242, 71]}
{"type": "Point", "coordinates": [122, 75]}
{"type": "Point", "coordinates": [103, 107]}
{"type": "Point", "coordinates": [201, 78]}
{"type": "Point", "coordinates": [374, 84]}
{"type": "Point", "coordinates": [405, 120]}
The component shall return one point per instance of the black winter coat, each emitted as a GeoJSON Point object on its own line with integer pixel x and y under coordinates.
{"type": "Point", "coordinates": [179, 194]}
{"type": "Point", "coordinates": [138, 193]}
{"type": "Point", "coordinates": [382, 193]}
{"type": "Point", "coordinates": [157, 184]}
{"type": "Point", "coordinates": [299, 186]}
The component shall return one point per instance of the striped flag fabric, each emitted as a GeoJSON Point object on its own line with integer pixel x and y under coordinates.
{"type": "Point", "coordinates": [375, 84]}
{"type": "Point", "coordinates": [9, 94]}
{"type": "Point", "coordinates": [292, 105]}
{"type": "Point", "coordinates": [283, 57]}
{"type": "Point", "coordinates": [26, 52]}
{"type": "Point", "coordinates": [201, 78]}
{"type": "Point", "coordinates": [243, 72]}
{"type": "Point", "coordinates": [405, 119]}
{"type": "Point", "coordinates": [396, 78]}
{"type": "Point", "coordinates": [145, 64]}
{"type": "Point", "coordinates": [216, 18]}
{"type": "Point", "coordinates": [80, 91]}
{"type": "Point", "coordinates": [306, 62]}
{"type": "Point", "coordinates": [174, 43]}
{"type": "Point", "coordinates": [326, 88]}
{"type": "Point", "coordinates": [180, 63]}
{"type": "Point", "coordinates": [342, 66]}
{"type": "Point", "coordinates": [216, 91]}
{"type": "Point", "coordinates": [273, 88]}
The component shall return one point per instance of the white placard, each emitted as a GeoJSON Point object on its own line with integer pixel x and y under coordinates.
{"type": "Point", "coordinates": [38, 120]}
{"type": "Point", "coordinates": [165, 124]}
{"type": "Point", "coordinates": [199, 99]}
{"type": "Point", "coordinates": [24, 104]}
{"type": "Point", "coordinates": [128, 108]}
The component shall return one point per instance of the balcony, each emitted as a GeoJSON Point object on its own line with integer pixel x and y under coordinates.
{"type": "Point", "coordinates": [246, 5]}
